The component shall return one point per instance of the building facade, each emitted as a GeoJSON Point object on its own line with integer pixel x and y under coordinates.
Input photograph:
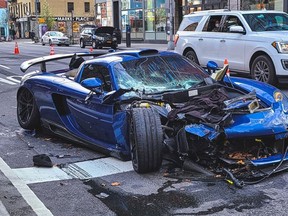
{"type": "Point", "coordinates": [69, 15]}
{"type": "Point", "coordinates": [148, 20]}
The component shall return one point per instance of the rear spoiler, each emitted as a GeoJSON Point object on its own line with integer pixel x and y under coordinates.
{"type": "Point", "coordinates": [42, 60]}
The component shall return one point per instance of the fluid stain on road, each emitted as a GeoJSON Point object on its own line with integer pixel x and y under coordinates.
{"type": "Point", "coordinates": [123, 203]}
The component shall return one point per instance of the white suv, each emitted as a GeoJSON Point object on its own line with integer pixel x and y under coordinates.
{"type": "Point", "coordinates": [254, 42]}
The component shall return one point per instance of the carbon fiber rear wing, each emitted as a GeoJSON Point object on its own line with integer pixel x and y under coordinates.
{"type": "Point", "coordinates": [42, 60]}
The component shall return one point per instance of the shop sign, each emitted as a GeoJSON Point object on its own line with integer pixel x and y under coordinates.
{"type": "Point", "coordinates": [77, 19]}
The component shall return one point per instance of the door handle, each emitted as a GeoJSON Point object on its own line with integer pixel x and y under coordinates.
{"type": "Point", "coordinates": [222, 40]}
{"type": "Point", "coordinates": [200, 39]}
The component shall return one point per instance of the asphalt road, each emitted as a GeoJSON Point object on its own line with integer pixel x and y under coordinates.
{"type": "Point", "coordinates": [85, 182]}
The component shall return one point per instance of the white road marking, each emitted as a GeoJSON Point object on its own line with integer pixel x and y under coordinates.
{"type": "Point", "coordinates": [3, 66]}
{"type": "Point", "coordinates": [98, 168]}
{"type": "Point", "coordinates": [7, 81]}
{"type": "Point", "coordinates": [38, 207]}
{"type": "Point", "coordinates": [3, 210]}
{"type": "Point", "coordinates": [39, 174]}
{"type": "Point", "coordinates": [14, 78]}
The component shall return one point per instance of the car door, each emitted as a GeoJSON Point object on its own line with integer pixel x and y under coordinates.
{"type": "Point", "coordinates": [232, 44]}
{"type": "Point", "coordinates": [46, 37]}
{"type": "Point", "coordinates": [209, 41]}
{"type": "Point", "coordinates": [91, 116]}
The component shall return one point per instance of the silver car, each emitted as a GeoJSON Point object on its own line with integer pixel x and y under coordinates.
{"type": "Point", "coordinates": [55, 37]}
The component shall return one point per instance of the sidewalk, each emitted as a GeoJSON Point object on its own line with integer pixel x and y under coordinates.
{"type": "Point", "coordinates": [135, 45]}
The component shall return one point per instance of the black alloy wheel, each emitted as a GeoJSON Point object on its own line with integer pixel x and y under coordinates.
{"type": "Point", "coordinates": [27, 112]}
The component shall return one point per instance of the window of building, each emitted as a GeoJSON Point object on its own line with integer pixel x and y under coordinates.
{"type": "Point", "coordinates": [38, 7]}
{"type": "Point", "coordinates": [70, 7]}
{"type": "Point", "coordinates": [87, 7]}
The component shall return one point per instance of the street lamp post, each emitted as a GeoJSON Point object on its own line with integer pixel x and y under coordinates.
{"type": "Point", "coordinates": [7, 13]}
{"type": "Point", "coordinates": [171, 13]}
{"type": "Point", "coordinates": [36, 16]}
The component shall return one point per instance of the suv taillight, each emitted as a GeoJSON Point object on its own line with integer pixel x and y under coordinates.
{"type": "Point", "coordinates": [176, 39]}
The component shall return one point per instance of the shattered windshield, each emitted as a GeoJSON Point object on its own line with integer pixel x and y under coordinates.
{"type": "Point", "coordinates": [158, 74]}
{"type": "Point", "coordinates": [267, 21]}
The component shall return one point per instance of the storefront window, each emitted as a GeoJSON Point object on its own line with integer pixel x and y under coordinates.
{"type": "Point", "coordinates": [160, 22]}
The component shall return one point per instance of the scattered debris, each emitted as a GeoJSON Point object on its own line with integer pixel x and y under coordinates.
{"type": "Point", "coordinates": [42, 160]}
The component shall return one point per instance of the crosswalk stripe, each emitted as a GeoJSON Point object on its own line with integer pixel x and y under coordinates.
{"type": "Point", "coordinates": [7, 81]}
{"type": "Point", "coordinates": [3, 66]}
{"type": "Point", "coordinates": [30, 197]}
{"type": "Point", "coordinates": [80, 170]}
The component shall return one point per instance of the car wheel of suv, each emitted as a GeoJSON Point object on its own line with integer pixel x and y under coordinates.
{"type": "Point", "coordinates": [94, 46]}
{"type": "Point", "coordinates": [27, 112]}
{"type": "Point", "coordinates": [82, 44]}
{"type": "Point", "coordinates": [192, 56]}
{"type": "Point", "coordinates": [146, 137]}
{"type": "Point", "coordinates": [262, 69]}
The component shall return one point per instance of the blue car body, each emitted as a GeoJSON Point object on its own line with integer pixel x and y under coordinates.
{"type": "Point", "coordinates": [78, 109]}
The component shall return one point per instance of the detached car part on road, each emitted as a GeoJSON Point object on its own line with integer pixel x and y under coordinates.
{"type": "Point", "coordinates": [147, 105]}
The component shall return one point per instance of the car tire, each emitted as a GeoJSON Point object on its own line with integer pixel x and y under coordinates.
{"type": "Point", "coordinates": [146, 138]}
{"type": "Point", "coordinates": [43, 44]}
{"type": "Point", "coordinates": [262, 69]}
{"type": "Point", "coordinates": [192, 56]}
{"type": "Point", "coordinates": [82, 44]}
{"type": "Point", "coordinates": [28, 115]}
{"type": "Point", "coordinates": [94, 46]}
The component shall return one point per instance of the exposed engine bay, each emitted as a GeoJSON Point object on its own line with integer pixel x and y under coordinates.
{"type": "Point", "coordinates": [199, 124]}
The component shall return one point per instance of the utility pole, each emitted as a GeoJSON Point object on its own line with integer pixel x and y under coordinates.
{"type": "Point", "coordinates": [171, 15]}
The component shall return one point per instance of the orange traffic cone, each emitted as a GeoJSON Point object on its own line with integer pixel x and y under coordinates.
{"type": "Point", "coordinates": [52, 50]}
{"type": "Point", "coordinates": [226, 63]}
{"type": "Point", "coordinates": [16, 49]}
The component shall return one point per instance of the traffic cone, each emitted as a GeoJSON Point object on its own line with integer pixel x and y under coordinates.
{"type": "Point", "coordinates": [16, 49]}
{"type": "Point", "coordinates": [226, 63]}
{"type": "Point", "coordinates": [52, 50]}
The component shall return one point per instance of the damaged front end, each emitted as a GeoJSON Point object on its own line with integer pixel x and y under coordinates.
{"type": "Point", "coordinates": [223, 131]}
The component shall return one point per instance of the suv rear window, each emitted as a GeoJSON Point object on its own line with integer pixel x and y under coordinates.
{"type": "Point", "coordinates": [190, 23]}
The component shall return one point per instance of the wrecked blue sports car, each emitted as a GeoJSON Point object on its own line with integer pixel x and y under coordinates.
{"type": "Point", "coordinates": [147, 106]}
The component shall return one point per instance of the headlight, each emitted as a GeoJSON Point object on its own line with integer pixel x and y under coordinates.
{"type": "Point", "coordinates": [99, 38]}
{"type": "Point", "coordinates": [281, 47]}
{"type": "Point", "coordinates": [278, 96]}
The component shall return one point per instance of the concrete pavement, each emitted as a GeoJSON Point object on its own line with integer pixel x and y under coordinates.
{"type": "Point", "coordinates": [134, 45]}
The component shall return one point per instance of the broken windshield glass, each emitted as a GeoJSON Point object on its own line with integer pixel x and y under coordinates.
{"type": "Point", "coordinates": [158, 74]}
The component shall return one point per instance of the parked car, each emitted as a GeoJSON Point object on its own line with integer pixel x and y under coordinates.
{"type": "Point", "coordinates": [254, 42]}
{"type": "Point", "coordinates": [55, 38]}
{"type": "Point", "coordinates": [99, 37]}
{"type": "Point", "coordinates": [147, 105]}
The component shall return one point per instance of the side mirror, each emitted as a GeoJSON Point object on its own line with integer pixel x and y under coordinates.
{"type": "Point", "coordinates": [91, 83]}
{"type": "Point", "coordinates": [211, 67]}
{"type": "Point", "coordinates": [237, 29]}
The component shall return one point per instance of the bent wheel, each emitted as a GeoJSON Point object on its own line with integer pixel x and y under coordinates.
{"type": "Point", "coordinates": [192, 56]}
{"type": "Point", "coordinates": [262, 69]}
{"type": "Point", "coordinates": [146, 138]}
{"type": "Point", "coordinates": [27, 112]}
